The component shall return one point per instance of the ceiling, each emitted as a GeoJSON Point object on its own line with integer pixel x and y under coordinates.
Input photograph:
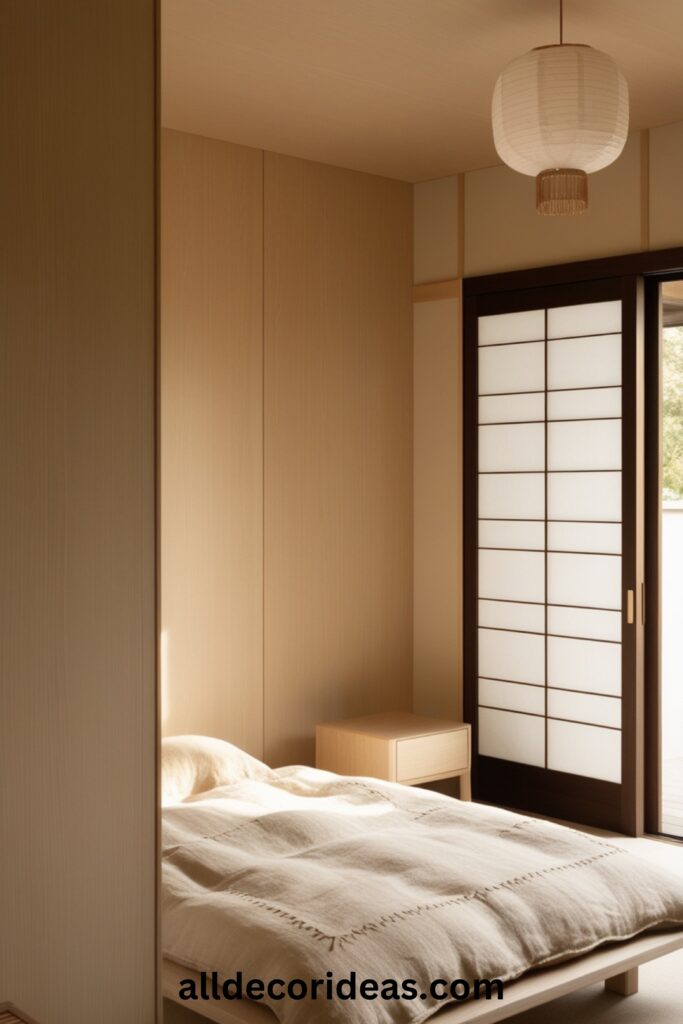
{"type": "Point", "coordinates": [394, 87]}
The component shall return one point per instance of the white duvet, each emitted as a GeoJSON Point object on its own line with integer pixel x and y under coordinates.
{"type": "Point", "coordinates": [305, 872]}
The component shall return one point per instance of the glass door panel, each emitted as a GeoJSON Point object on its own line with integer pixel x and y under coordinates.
{"type": "Point", "coordinates": [550, 674]}
{"type": "Point", "coordinates": [671, 562]}
{"type": "Point", "coordinates": [583, 368]}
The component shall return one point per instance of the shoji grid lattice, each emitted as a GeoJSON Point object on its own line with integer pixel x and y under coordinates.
{"type": "Point", "coordinates": [550, 538]}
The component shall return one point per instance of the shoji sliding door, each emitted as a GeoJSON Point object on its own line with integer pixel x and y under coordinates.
{"type": "Point", "coordinates": [553, 549]}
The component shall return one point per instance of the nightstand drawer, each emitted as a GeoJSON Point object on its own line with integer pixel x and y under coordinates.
{"type": "Point", "coordinates": [398, 746]}
{"type": "Point", "coordinates": [422, 757]}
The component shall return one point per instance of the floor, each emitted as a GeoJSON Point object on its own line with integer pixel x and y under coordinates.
{"type": "Point", "coordinates": [659, 1001]}
{"type": "Point", "coordinates": [672, 797]}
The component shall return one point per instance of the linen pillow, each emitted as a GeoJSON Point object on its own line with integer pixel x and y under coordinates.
{"type": "Point", "coordinates": [195, 764]}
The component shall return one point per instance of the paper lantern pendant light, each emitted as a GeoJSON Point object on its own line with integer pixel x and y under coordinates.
{"type": "Point", "coordinates": [559, 113]}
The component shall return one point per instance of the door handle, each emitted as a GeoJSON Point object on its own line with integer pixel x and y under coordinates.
{"type": "Point", "coordinates": [631, 606]}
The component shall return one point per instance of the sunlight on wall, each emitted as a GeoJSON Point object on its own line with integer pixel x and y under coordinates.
{"type": "Point", "coordinates": [164, 675]}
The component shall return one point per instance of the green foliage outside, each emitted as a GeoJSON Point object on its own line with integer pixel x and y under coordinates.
{"type": "Point", "coordinates": [672, 415]}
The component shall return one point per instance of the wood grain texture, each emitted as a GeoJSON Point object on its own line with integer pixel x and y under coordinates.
{"type": "Point", "coordinates": [338, 449]}
{"type": "Point", "coordinates": [394, 725]}
{"type": "Point", "coordinates": [354, 753]}
{"type": "Point", "coordinates": [437, 595]}
{"type": "Point", "coordinates": [426, 758]}
{"type": "Point", "coordinates": [212, 440]}
{"type": "Point", "coordinates": [396, 746]}
{"type": "Point", "coordinates": [77, 513]}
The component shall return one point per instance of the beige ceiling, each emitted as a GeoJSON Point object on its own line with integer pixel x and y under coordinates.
{"type": "Point", "coordinates": [394, 87]}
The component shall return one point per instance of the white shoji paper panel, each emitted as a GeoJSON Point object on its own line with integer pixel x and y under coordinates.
{"type": "Point", "coordinates": [502, 328]}
{"type": "Point", "coordinates": [584, 318]}
{"type": "Point", "coordinates": [586, 444]}
{"type": "Point", "coordinates": [512, 575]}
{"type": "Point", "coordinates": [517, 657]}
{"type": "Point", "coordinates": [584, 496]}
{"type": "Point", "coordinates": [587, 665]}
{"type": "Point", "coordinates": [512, 368]}
{"type": "Point", "coordinates": [529, 618]}
{"type": "Point", "coordinates": [585, 580]}
{"type": "Point", "coordinates": [583, 707]}
{"type": "Point", "coordinates": [512, 496]}
{"type": "Point", "coordinates": [584, 362]}
{"type": "Point", "coordinates": [585, 404]}
{"type": "Point", "coordinates": [512, 408]}
{"type": "Point", "coordinates": [516, 447]}
{"type": "Point", "coordinates": [512, 696]}
{"type": "Point", "coordinates": [584, 750]}
{"type": "Point", "coordinates": [506, 534]}
{"type": "Point", "coordinates": [600, 537]}
{"type": "Point", "coordinates": [585, 623]}
{"type": "Point", "coordinates": [512, 737]}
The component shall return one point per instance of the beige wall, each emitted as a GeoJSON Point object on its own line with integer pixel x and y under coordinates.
{"type": "Point", "coordinates": [635, 204]}
{"type": "Point", "coordinates": [504, 232]}
{"type": "Point", "coordinates": [437, 470]}
{"type": "Point", "coordinates": [212, 439]}
{"type": "Point", "coordinates": [317, 348]}
{"type": "Point", "coordinates": [437, 620]}
{"type": "Point", "coordinates": [338, 449]}
{"type": "Point", "coordinates": [77, 565]}
{"type": "Point", "coordinates": [665, 212]}
{"type": "Point", "coordinates": [436, 252]}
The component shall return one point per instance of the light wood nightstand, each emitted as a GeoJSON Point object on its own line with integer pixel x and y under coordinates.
{"type": "Point", "coordinates": [398, 747]}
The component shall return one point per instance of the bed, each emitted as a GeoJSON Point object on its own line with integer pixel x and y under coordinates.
{"type": "Point", "coordinates": [295, 872]}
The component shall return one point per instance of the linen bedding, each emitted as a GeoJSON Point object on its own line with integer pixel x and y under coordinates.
{"type": "Point", "coordinates": [301, 872]}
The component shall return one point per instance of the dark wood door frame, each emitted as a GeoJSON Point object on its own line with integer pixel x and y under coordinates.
{"type": "Point", "coordinates": [660, 263]}
{"type": "Point", "coordinates": [640, 273]}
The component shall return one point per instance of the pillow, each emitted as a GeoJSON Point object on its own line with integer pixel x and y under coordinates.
{"type": "Point", "coordinates": [195, 764]}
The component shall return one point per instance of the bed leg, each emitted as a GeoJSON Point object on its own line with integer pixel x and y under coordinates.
{"type": "Point", "coordinates": [625, 984]}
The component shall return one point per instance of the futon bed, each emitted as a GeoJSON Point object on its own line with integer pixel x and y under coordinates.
{"type": "Point", "coordinates": [293, 873]}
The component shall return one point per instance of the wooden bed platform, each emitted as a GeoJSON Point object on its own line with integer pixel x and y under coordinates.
{"type": "Point", "coordinates": [616, 965]}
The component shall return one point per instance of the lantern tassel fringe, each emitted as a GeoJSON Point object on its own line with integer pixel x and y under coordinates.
{"type": "Point", "coordinates": [561, 192]}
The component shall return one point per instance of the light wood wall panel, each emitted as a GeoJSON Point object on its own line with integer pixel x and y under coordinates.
{"type": "Point", "coordinates": [212, 440]}
{"type": "Point", "coordinates": [504, 232]}
{"type": "Point", "coordinates": [436, 228]}
{"type": "Point", "coordinates": [666, 194]}
{"type": "Point", "coordinates": [77, 520]}
{"type": "Point", "coordinates": [338, 449]}
{"type": "Point", "coordinates": [437, 595]}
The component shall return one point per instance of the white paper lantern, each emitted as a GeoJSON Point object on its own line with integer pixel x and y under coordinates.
{"type": "Point", "coordinates": [560, 113]}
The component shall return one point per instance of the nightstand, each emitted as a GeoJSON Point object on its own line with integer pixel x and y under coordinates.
{"type": "Point", "coordinates": [398, 747]}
